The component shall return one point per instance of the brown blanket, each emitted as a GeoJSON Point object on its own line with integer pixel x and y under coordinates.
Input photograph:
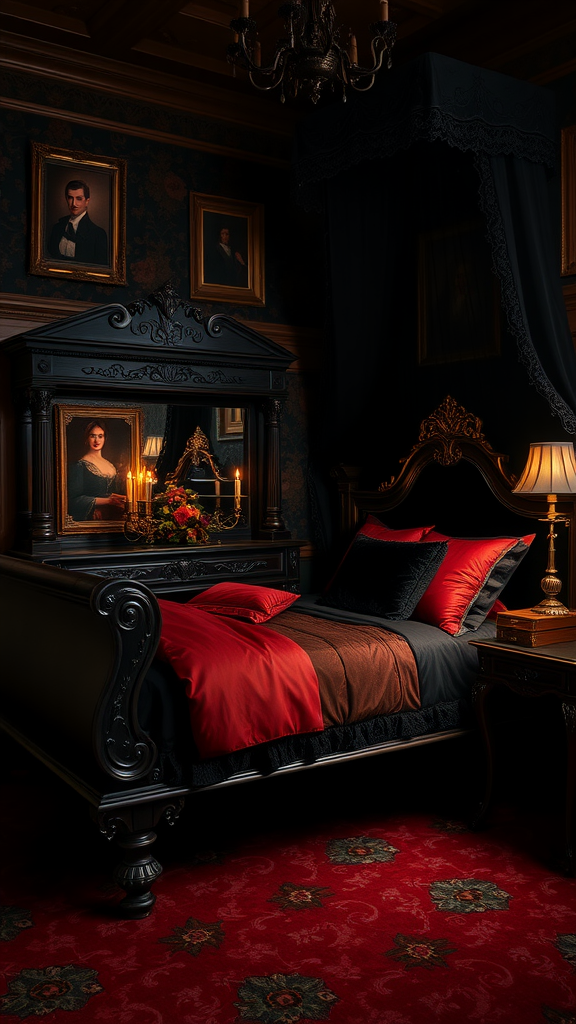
{"type": "Point", "coordinates": [363, 671]}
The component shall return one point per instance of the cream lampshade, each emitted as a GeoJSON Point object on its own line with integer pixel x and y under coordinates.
{"type": "Point", "coordinates": [551, 470]}
{"type": "Point", "coordinates": [152, 446]}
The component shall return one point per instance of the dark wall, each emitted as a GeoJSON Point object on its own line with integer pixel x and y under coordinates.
{"type": "Point", "coordinates": [160, 178]}
{"type": "Point", "coordinates": [385, 385]}
{"type": "Point", "coordinates": [161, 174]}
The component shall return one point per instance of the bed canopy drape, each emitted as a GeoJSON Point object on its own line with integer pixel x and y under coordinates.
{"type": "Point", "coordinates": [384, 165]}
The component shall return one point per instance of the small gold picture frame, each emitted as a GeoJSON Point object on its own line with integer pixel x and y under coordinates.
{"type": "Point", "coordinates": [230, 424]}
{"type": "Point", "coordinates": [78, 228]}
{"type": "Point", "coordinates": [227, 250]}
{"type": "Point", "coordinates": [95, 448]}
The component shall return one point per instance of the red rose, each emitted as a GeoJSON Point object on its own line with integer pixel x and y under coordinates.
{"type": "Point", "coordinates": [182, 514]}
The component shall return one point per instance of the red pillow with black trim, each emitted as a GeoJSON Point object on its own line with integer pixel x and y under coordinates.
{"type": "Point", "coordinates": [495, 610]}
{"type": "Point", "coordinates": [469, 580]}
{"type": "Point", "coordinates": [374, 528]}
{"type": "Point", "coordinates": [244, 601]}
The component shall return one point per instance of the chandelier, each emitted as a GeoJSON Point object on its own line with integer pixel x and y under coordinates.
{"type": "Point", "coordinates": [310, 56]}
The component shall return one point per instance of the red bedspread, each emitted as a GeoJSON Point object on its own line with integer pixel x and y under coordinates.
{"type": "Point", "coordinates": [246, 685]}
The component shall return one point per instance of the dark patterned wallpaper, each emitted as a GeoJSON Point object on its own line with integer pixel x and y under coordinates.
{"type": "Point", "coordinates": [160, 177]}
{"type": "Point", "coordinates": [159, 181]}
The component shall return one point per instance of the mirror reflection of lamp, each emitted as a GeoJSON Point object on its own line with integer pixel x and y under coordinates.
{"type": "Point", "coordinates": [152, 447]}
{"type": "Point", "coordinates": [550, 470]}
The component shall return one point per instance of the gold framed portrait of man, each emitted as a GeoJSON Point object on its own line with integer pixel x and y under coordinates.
{"type": "Point", "coordinates": [78, 227]}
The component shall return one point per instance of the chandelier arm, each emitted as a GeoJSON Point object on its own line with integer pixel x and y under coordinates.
{"type": "Point", "coordinates": [271, 69]}
{"type": "Point", "coordinates": [311, 57]}
{"type": "Point", "coordinates": [361, 72]}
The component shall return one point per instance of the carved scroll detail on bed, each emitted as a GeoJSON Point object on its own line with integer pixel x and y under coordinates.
{"type": "Point", "coordinates": [64, 706]}
{"type": "Point", "coordinates": [124, 751]}
{"type": "Point", "coordinates": [446, 429]}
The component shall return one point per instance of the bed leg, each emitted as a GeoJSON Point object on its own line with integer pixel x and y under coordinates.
{"type": "Point", "coordinates": [136, 873]}
{"type": "Point", "coordinates": [132, 827]}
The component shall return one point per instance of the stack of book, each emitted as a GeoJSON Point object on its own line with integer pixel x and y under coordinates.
{"type": "Point", "coordinates": [529, 628]}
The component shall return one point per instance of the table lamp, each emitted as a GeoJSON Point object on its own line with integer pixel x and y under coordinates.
{"type": "Point", "coordinates": [152, 447]}
{"type": "Point", "coordinates": [551, 470]}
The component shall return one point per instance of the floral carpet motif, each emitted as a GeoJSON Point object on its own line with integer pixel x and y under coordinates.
{"type": "Point", "coordinates": [360, 850]}
{"type": "Point", "coordinates": [12, 921]}
{"type": "Point", "coordinates": [300, 897]}
{"type": "Point", "coordinates": [558, 1016]}
{"type": "Point", "coordinates": [313, 908]}
{"type": "Point", "coordinates": [468, 896]}
{"type": "Point", "coordinates": [194, 936]}
{"type": "Point", "coordinates": [38, 992]}
{"type": "Point", "coordinates": [420, 952]}
{"type": "Point", "coordinates": [284, 999]}
{"type": "Point", "coordinates": [567, 946]}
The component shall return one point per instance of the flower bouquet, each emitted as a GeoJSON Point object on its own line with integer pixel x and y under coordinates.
{"type": "Point", "coordinates": [179, 517]}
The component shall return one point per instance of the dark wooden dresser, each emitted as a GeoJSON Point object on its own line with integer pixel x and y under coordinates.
{"type": "Point", "coordinates": [156, 368]}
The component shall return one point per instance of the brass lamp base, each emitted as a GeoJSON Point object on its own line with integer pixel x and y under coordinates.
{"type": "Point", "coordinates": [551, 606]}
{"type": "Point", "coordinates": [551, 585]}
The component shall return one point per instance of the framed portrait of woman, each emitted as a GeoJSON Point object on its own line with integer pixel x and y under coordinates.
{"type": "Point", "coordinates": [96, 447]}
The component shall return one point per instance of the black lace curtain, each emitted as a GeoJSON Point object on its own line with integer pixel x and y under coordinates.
{"type": "Point", "coordinates": [435, 143]}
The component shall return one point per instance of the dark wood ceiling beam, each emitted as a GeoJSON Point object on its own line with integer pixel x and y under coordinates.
{"type": "Point", "coordinates": [485, 31]}
{"type": "Point", "coordinates": [31, 15]}
{"type": "Point", "coordinates": [167, 51]}
{"type": "Point", "coordinates": [119, 24]}
{"type": "Point", "coordinates": [72, 66]}
{"type": "Point", "coordinates": [220, 16]}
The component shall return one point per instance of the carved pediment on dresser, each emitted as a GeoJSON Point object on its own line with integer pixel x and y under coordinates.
{"type": "Point", "coordinates": [151, 373]}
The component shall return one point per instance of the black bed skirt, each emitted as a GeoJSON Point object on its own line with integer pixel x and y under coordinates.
{"type": "Point", "coordinates": [166, 720]}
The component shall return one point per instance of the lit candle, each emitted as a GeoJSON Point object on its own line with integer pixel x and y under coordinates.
{"type": "Point", "coordinates": [237, 489]}
{"type": "Point", "coordinates": [257, 54]}
{"type": "Point", "coordinates": [383, 10]}
{"type": "Point", "coordinates": [244, 12]}
{"type": "Point", "coordinates": [148, 486]}
{"type": "Point", "coordinates": [130, 489]}
{"type": "Point", "coordinates": [140, 495]}
{"type": "Point", "coordinates": [353, 50]}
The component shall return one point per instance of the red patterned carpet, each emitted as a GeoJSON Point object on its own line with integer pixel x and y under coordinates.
{"type": "Point", "coordinates": [322, 897]}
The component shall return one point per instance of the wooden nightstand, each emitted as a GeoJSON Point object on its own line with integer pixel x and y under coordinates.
{"type": "Point", "coordinates": [530, 673]}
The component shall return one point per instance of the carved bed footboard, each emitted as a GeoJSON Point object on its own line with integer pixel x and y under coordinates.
{"type": "Point", "coordinates": [75, 650]}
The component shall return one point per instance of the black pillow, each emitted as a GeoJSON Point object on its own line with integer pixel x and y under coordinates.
{"type": "Point", "coordinates": [384, 578]}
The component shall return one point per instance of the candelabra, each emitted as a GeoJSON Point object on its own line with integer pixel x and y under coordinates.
{"type": "Point", "coordinates": [139, 524]}
{"type": "Point", "coordinates": [219, 520]}
{"type": "Point", "coordinates": [311, 56]}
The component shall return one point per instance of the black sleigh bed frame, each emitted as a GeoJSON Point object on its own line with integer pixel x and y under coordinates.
{"type": "Point", "coordinates": [76, 647]}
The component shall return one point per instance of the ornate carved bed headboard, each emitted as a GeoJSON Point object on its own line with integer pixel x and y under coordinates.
{"type": "Point", "coordinates": [453, 477]}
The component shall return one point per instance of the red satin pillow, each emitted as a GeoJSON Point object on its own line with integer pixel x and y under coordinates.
{"type": "Point", "coordinates": [243, 601]}
{"type": "Point", "coordinates": [495, 610]}
{"type": "Point", "coordinates": [374, 528]}
{"type": "Point", "coordinates": [469, 580]}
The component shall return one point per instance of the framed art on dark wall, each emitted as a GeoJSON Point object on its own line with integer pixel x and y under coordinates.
{"type": "Point", "coordinates": [230, 424]}
{"type": "Point", "coordinates": [78, 225]}
{"type": "Point", "coordinates": [227, 250]}
{"type": "Point", "coordinates": [458, 296]}
{"type": "Point", "coordinates": [97, 447]}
